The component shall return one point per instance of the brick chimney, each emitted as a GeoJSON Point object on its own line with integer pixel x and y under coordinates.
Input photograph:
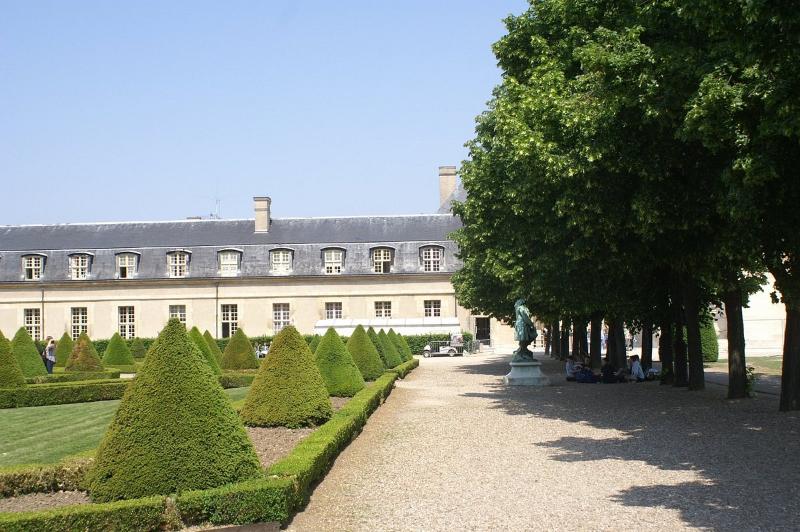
{"type": "Point", "coordinates": [262, 204]}
{"type": "Point", "coordinates": [447, 184]}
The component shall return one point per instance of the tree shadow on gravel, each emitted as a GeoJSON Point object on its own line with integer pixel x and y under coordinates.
{"type": "Point", "coordinates": [746, 452]}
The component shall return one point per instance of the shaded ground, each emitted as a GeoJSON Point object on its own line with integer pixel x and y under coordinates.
{"type": "Point", "coordinates": [454, 448]}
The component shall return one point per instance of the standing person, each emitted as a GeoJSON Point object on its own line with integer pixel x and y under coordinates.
{"type": "Point", "coordinates": [49, 354]}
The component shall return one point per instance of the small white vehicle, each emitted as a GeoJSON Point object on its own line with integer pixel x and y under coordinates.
{"type": "Point", "coordinates": [445, 348]}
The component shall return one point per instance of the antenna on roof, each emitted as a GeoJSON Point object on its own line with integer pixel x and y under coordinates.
{"type": "Point", "coordinates": [217, 206]}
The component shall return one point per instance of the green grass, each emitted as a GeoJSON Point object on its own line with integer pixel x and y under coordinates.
{"type": "Point", "coordinates": [763, 365]}
{"type": "Point", "coordinates": [46, 434]}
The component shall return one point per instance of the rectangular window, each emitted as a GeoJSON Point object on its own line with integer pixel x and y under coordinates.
{"type": "Point", "coordinates": [229, 263]}
{"type": "Point", "coordinates": [32, 266]}
{"type": "Point", "coordinates": [230, 320]}
{"type": "Point", "coordinates": [333, 311]}
{"type": "Point", "coordinates": [281, 261]}
{"type": "Point", "coordinates": [178, 311]}
{"type": "Point", "coordinates": [381, 260]}
{"type": "Point", "coordinates": [79, 321]}
{"type": "Point", "coordinates": [431, 259]}
{"type": "Point", "coordinates": [126, 265]}
{"type": "Point", "coordinates": [78, 267]}
{"type": "Point", "coordinates": [280, 316]}
{"type": "Point", "coordinates": [33, 322]}
{"type": "Point", "coordinates": [127, 328]}
{"type": "Point", "coordinates": [433, 308]}
{"type": "Point", "coordinates": [177, 264]}
{"type": "Point", "coordinates": [333, 261]}
{"type": "Point", "coordinates": [383, 309]}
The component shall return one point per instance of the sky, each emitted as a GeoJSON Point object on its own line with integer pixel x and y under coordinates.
{"type": "Point", "coordinates": [153, 110]}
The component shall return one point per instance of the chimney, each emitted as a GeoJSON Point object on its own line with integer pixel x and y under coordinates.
{"type": "Point", "coordinates": [262, 204]}
{"type": "Point", "coordinates": [447, 184]}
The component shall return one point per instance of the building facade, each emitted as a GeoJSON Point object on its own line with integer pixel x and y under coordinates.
{"type": "Point", "coordinates": [258, 274]}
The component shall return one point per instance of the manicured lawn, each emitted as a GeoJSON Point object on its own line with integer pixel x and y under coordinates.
{"type": "Point", "coordinates": [46, 434]}
{"type": "Point", "coordinates": [762, 365]}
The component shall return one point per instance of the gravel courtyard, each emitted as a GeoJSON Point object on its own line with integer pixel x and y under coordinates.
{"type": "Point", "coordinates": [454, 449]}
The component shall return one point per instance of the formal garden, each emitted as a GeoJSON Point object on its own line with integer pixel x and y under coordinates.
{"type": "Point", "coordinates": [183, 429]}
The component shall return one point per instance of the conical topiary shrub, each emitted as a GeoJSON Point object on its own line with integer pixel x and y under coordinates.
{"type": "Point", "coordinates": [214, 346]}
{"type": "Point", "coordinates": [365, 354]}
{"type": "Point", "coordinates": [63, 349]}
{"type": "Point", "coordinates": [175, 429]}
{"type": "Point", "coordinates": [314, 343]}
{"type": "Point", "coordinates": [407, 354]}
{"type": "Point", "coordinates": [340, 373]}
{"type": "Point", "coordinates": [373, 337]}
{"type": "Point", "coordinates": [10, 373]}
{"type": "Point", "coordinates": [288, 389]}
{"type": "Point", "coordinates": [28, 358]}
{"type": "Point", "coordinates": [398, 346]}
{"type": "Point", "coordinates": [392, 356]}
{"type": "Point", "coordinates": [202, 346]}
{"type": "Point", "coordinates": [84, 356]}
{"type": "Point", "coordinates": [239, 353]}
{"type": "Point", "coordinates": [117, 352]}
{"type": "Point", "coordinates": [138, 350]}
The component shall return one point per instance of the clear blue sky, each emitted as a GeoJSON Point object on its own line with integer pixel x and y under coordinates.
{"type": "Point", "coordinates": [148, 110]}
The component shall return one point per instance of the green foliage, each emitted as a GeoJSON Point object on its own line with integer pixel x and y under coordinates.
{"type": "Point", "coordinates": [288, 390]}
{"type": "Point", "coordinates": [74, 377]}
{"type": "Point", "coordinates": [11, 375]}
{"type": "Point", "coordinates": [391, 356]}
{"type": "Point", "coordinates": [365, 354]}
{"type": "Point", "coordinates": [64, 348]}
{"type": "Point", "coordinates": [174, 430]}
{"type": "Point", "coordinates": [417, 342]}
{"type": "Point", "coordinates": [339, 371]}
{"type": "Point", "coordinates": [406, 350]}
{"type": "Point", "coordinates": [202, 346]}
{"type": "Point", "coordinates": [138, 349]}
{"type": "Point", "coordinates": [28, 358]}
{"type": "Point", "coordinates": [373, 337]}
{"type": "Point", "coordinates": [66, 475]}
{"type": "Point", "coordinates": [399, 346]}
{"type": "Point", "coordinates": [83, 357]}
{"type": "Point", "coordinates": [117, 353]}
{"type": "Point", "coordinates": [236, 380]}
{"type": "Point", "coordinates": [63, 393]}
{"type": "Point", "coordinates": [405, 368]}
{"type": "Point", "coordinates": [314, 343]}
{"type": "Point", "coordinates": [708, 341]}
{"type": "Point", "coordinates": [214, 346]}
{"type": "Point", "coordinates": [239, 353]}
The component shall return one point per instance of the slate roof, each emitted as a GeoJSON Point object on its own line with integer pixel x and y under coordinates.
{"type": "Point", "coordinates": [306, 237]}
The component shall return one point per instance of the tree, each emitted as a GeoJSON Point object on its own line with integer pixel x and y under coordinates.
{"type": "Point", "coordinates": [10, 373]}
{"type": "Point", "coordinates": [63, 349]}
{"type": "Point", "coordinates": [175, 429]}
{"type": "Point", "coordinates": [214, 346]}
{"type": "Point", "coordinates": [373, 337]}
{"type": "Point", "coordinates": [28, 358]}
{"type": "Point", "coordinates": [314, 343]}
{"type": "Point", "coordinates": [239, 353]}
{"type": "Point", "coordinates": [138, 350]}
{"type": "Point", "coordinates": [202, 346]}
{"type": "Point", "coordinates": [117, 352]}
{"type": "Point", "coordinates": [394, 338]}
{"type": "Point", "coordinates": [337, 367]}
{"type": "Point", "coordinates": [365, 354]}
{"type": "Point", "coordinates": [392, 356]}
{"type": "Point", "coordinates": [84, 356]}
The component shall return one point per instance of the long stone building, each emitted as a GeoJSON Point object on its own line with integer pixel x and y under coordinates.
{"type": "Point", "coordinates": [259, 274]}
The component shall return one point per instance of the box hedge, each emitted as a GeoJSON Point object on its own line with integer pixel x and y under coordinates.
{"type": "Point", "coordinates": [365, 354]}
{"type": "Point", "coordinates": [11, 375]}
{"type": "Point", "coordinates": [63, 393]}
{"type": "Point", "coordinates": [239, 353]}
{"type": "Point", "coordinates": [337, 367]}
{"type": "Point", "coordinates": [394, 338]}
{"type": "Point", "coordinates": [63, 350]}
{"type": "Point", "coordinates": [66, 475]}
{"type": "Point", "coordinates": [117, 353]}
{"type": "Point", "coordinates": [202, 346]}
{"type": "Point", "coordinates": [83, 357]}
{"type": "Point", "coordinates": [288, 390]}
{"type": "Point", "coordinates": [174, 430]}
{"type": "Point", "coordinates": [138, 349]}
{"type": "Point", "coordinates": [405, 368]}
{"type": "Point", "coordinates": [236, 380]}
{"type": "Point", "coordinates": [392, 357]}
{"type": "Point", "coordinates": [212, 344]}
{"type": "Point", "coordinates": [74, 377]}
{"type": "Point", "coordinates": [28, 358]}
{"type": "Point", "coordinates": [313, 343]}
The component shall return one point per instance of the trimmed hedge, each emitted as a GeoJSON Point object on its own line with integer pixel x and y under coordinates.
{"type": "Point", "coordinates": [73, 377]}
{"type": "Point", "coordinates": [314, 343]}
{"type": "Point", "coordinates": [392, 357]}
{"type": "Point", "coordinates": [174, 430]}
{"type": "Point", "coordinates": [365, 354]}
{"type": "Point", "coordinates": [63, 393]}
{"type": "Point", "coordinates": [236, 380]}
{"type": "Point", "coordinates": [117, 353]}
{"type": "Point", "coordinates": [65, 475]}
{"type": "Point", "coordinates": [239, 353]}
{"type": "Point", "coordinates": [83, 357]}
{"type": "Point", "coordinates": [63, 350]}
{"type": "Point", "coordinates": [708, 341]}
{"type": "Point", "coordinates": [10, 373]}
{"type": "Point", "coordinates": [405, 368]}
{"type": "Point", "coordinates": [138, 349]}
{"type": "Point", "coordinates": [214, 346]}
{"type": "Point", "coordinates": [398, 346]}
{"type": "Point", "coordinates": [340, 373]}
{"type": "Point", "coordinates": [28, 358]}
{"type": "Point", "coordinates": [205, 350]}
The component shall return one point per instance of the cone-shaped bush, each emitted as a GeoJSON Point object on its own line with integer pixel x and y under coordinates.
{"type": "Point", "coordinates": [175, 429]}
{"type": "Point", "coordinates": [214, 346]}
{"type": "Point", "coordinates": [10, 374]}
{"type": "Point", "coordinates": [365, 355]}
{"type": "Point", "coordinates": [138, 350]}
{"type": "Point", "coordinates": [239, 353]}
{"type": "Point", "coordinates": [288, 389]}
{"type": "Point", "coordinates": [314, 343]}
{"type": "Point", "coordinates": [63, 349]}
{"type": "Point", "coordinates": [84, 356]}
{"type": "Point", "coordinates": [339, 371]}
{"type": "Point", "coordinates": [407, 354]}
{"type": "Point", "coordinates": [398, 346]}
{"type": "Point", "coordinates": [28, 358]}
{"type": "Point", "coordinates": [196, 337]}
{"type": "Point", "coordinates": [392, 356]}
{"type": "Point", "coordinates": [117, 352]}
{"type": "Point", "coordinates": [373, 337]}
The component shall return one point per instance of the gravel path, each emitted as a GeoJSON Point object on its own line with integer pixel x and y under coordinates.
{"type": "Point", "coordinates": [454, 449]}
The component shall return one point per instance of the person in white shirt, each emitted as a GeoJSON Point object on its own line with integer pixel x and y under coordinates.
{"type": "Point", "coordinates": [636, 369]}
{"type": "Point", "coordinates": [571, 368]}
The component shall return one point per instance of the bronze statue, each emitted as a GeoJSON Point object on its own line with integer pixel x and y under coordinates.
{"type": "Point", "coordinates": [524, 332]}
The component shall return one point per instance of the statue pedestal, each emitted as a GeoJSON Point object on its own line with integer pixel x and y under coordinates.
{"type": "Point", "coordinates": [528, 373]}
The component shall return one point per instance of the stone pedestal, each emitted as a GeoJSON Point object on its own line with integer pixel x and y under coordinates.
{"type": "Point", "coordinates": [528, 373]}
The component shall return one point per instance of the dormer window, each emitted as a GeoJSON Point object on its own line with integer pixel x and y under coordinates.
{"type": "Point", "coordinates": [382, 260]}
{"type": "Point", "coordinates": [281, 260]}
{"type": "Point", "coordinates": [126, 265]}
{"type": "Point", "coordinates": [79, 266]}
{"type": "Point", "coordinates": [32, 266]}
{"type": "Point", "coordinates": [431, 258]}
{"type": "Point", "coordinates": [333, 260]}
{"type": "Point", "coordinates": [177, 263]}
{"type": "Point", "coordinates": [229, 263]}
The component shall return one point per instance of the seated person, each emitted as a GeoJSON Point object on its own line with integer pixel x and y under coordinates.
{"type": "Point", "coordinates": [585, 375]}
{"type": "Point", "coordinates": [571, 368]}
{"type": "Point", "coordinates": [607, 373]}
{"type": "Point", "coordinates": [636, 369]}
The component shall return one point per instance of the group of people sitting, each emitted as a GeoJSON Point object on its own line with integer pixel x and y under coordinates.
{"type": "Point", "coordinates": [582, 372]}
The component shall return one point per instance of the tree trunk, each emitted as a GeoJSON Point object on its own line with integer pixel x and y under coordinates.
{"type": "Point", "coordinates": [547, 340]}
{"type": "Point", "coordinates": [583, 343]}
{"type": "Point", "coordinates": [564, 340]}
{"type": "Point", "coordinates": [647, 346]}
{"type": "Point", "coordinates": [695, 348]}
{"type": "Point", "coordinates": [595, 345]}
{"type": "Point", "coordinates": [665, 352]}
{"type": "Point", "coordinates": [555, 340]}
{"type": "Point", "coordinates": [737, 368]}
{"type": "Point", "coordinates": [616, 344]}
{"type": "Point", "coordinates": [681, 367]}
{"type": "Point", "coordinates": [790, 376]}
{"type": "Point", "coordinates": [576, 342]}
